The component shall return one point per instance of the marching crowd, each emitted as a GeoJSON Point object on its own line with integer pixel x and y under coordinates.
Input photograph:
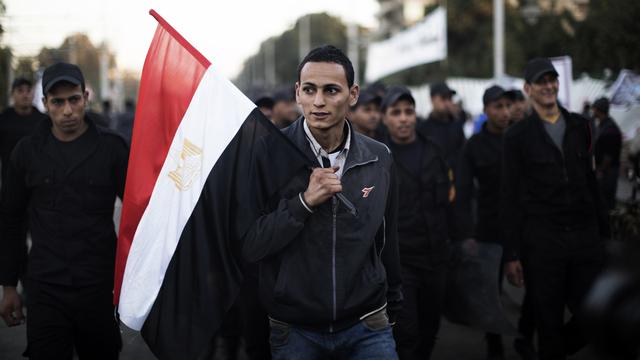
{"type": "Point", "coordinates": [350, 259]}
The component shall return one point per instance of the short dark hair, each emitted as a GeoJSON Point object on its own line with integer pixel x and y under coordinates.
{"type": "Point", "coordinates": [20, 82]}
{"type": "Point", "coordinates": [329, 54]}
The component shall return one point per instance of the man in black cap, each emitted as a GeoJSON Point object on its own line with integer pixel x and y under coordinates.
{"type": "Point", "coordinates": [365, 115]}
{"type": "Point", "coordinates": [608, 145]}
{"type": "Point", "coordinates": [17, 121]}
{"type": "Point", "coordinates": [442, 125]}
{"type": "Point", "coordinates": [284, 110]}
{"type": "Point", "coordinates": [519, 107]}
{"type": "Point", "coordinates": [422, 225]}
{"type": "Point", "coordinates": [479, 164]}
{"type": "Point", "coordinates": [63, 179]}
{"type": "Point", "coordinates": [551, 212]}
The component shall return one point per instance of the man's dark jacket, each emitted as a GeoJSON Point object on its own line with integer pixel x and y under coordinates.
{"type": "Point", "coordinates": [70, 213]}
{"type": "Point", "coordinates": [480, 163]}
{"type": "Point", "coordinates": [540, 181]}
{"type": "Point", "coordinates": [327, 269]}
{"type": "Point", "coordinates": [448, 133]}
{"type": "Point", "coordinates": [14, 127]}
{"type": "Point", "coordinates": [608, 143]}
{"type": "Point", "coordinates": [422, 208]}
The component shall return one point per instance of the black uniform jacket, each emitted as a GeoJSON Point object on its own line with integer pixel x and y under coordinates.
{"type": "Point", "coordinates": [608, 143]}
{"type": "Point", "coordinates": [327, 269]}
{"type": "Point", "coordinates": [14, 127]}
{"type": "Point", "coordinates": [447, 133]}
{"type": "Point", "coordinates": [540, 181]}
{"type": "Point", "coordinates": [70, 213]}
{"type": "Point", "coordinates": [479, 165]}
{"type": "Point", "coordinates": [422, 209]}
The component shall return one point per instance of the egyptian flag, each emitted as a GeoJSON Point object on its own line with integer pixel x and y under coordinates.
{"type": "Point", "coordinates": [186, 203]}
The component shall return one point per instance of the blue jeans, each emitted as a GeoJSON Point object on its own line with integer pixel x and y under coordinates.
{"type": "Point", "coordinates": [370, 338]}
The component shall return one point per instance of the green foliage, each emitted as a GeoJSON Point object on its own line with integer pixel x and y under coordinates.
{"type": "Point", "coordinates": [77, 49]}
{"type": "Point", "coordinates": [25, 68]}
{"type": "Point", "coordinates": [325, 29]}
{"type": "Point", "coordinates": [607, 38]}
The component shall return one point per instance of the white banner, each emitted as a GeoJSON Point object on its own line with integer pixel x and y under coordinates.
{"type": "Point", "coordinates": [564, 67]}
{"type": "Point", "coordinates": [423, 43]}
{"type": "Point", "coordinates": [626, 90]}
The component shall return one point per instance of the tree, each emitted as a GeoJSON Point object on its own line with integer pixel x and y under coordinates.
{"type": "Point", "coordinates": [608, 38]}
{"type": "Point", "coordinates": [79, 49]}
{"type": "Point", "coordinates": [325, 29]}
{"type": "Point", "coordinates": [25, 68]}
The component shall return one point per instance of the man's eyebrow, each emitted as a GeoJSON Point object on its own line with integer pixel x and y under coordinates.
{"type": "Point", "coordinates": [308, 83]}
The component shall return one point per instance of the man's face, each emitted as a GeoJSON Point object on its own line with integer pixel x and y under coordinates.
{"type": "Point", "coordinates": [284, 112]}
{"type": "Point", "coordinates": [518, 110]}
{"type": "Point", "coordinates": [400, 119]}
{"type": "Point", "coordinates": [543, 92]}
{"type": "Point", "coordinates": [366, 116]}
{"type": "Point", "coordinates": [22, 96]}
{"type": "Point", "coordinates": [324, 95]}
{"type": "Point", "coordinates": [442, 104]}
{"type": "Point", "coordinates": [65, 104]}
{"type": "Point", "coordinates": [498, 113]}
{"type": "Point", "coordinates": [266, 111]}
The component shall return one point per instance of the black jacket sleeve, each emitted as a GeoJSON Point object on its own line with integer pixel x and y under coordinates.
{"type": "Point", "coordinates": [391, 252]}
{"type": "Point", "coordinates": [273, 231]}
{"type": "Point", "coordinates": [13, 210]}
{"type": "Point", "coordinates": [464, 192]}
{"type": "Point", "coordinates": [275, 228]}
{"type": "Point", "coordinates": [511, 210]}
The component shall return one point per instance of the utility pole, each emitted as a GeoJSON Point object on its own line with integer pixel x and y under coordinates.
{"type": "Point", "coordinates": [270, 62]}
{"type": "Point", "coordinates": [304, 37]}
{"type": "Point", "coordinates": [353, 47]}
{"type": "Point", "coordinates": [498, 40]}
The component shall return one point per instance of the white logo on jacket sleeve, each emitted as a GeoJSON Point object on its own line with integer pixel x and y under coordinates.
{"type": "Point", "coordinates": [366, 191]}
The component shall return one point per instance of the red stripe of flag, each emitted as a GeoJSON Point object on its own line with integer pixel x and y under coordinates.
{"type": "Point", "coordinates": [172, 71]}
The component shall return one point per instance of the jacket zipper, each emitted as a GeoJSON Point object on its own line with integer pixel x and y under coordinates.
{"type": "Point", "coordinates": [334, 203]}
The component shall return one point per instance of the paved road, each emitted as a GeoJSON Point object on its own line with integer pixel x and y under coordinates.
{"type": "Point", "coordinates": [455, 342]}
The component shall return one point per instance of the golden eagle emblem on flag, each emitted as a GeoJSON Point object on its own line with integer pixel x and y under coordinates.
{"type": "Point", "coordinates": [189, 166]}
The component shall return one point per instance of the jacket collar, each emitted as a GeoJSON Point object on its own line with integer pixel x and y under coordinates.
{"type": "Point", "coordinates": [359, 151]}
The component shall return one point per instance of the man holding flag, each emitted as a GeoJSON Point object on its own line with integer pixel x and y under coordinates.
{"type": "Point", "coordinates": [326, 242]}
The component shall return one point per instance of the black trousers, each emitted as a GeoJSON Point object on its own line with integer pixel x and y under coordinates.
{"type": "Point", "coordinates": [61, 318]}
{"type": "Point", "coordinates": [560, 265]}
{"type": "Point", "coordinates": [418, 323]}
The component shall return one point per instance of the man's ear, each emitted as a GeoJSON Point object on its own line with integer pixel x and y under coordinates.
{"type": "Point", "coordinates": [527, 89]}
{"type": "Point", "coordinates": [354, 93]}
{"type": "Point", "coordinates": [297, 92]}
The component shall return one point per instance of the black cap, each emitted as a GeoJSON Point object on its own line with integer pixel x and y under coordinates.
{"type": "Point", "coordinates": [496, 92]}
{"type": "Point", "coordinates": [442, 89]}
{"type": "Point", "coordinates": [61, 72]}
{"type": "Point", "coordinates": [367, 96]}
{"type": "Point", "coordinates": [287, 94]}
{"type": "Point", "coordinates": [518, 95]}
{"type": "Point", "coordinates": [538, 67]}
{"type": "Point", "coordinates": [19, 82]}
{"type": "Point", "coordinates": [394, 94]}
{"type": "Point", "coordinates": [602, 104]}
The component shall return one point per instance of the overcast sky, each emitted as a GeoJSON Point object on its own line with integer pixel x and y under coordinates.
{"type": "Point", "coordinates": [225, 31]}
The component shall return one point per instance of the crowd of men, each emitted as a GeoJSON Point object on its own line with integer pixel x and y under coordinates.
{"type": "Point", "coordinates": [349, 260]}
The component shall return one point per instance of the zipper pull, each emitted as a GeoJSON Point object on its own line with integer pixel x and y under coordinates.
{"type": "Point", "coordinates": [352, 209]}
